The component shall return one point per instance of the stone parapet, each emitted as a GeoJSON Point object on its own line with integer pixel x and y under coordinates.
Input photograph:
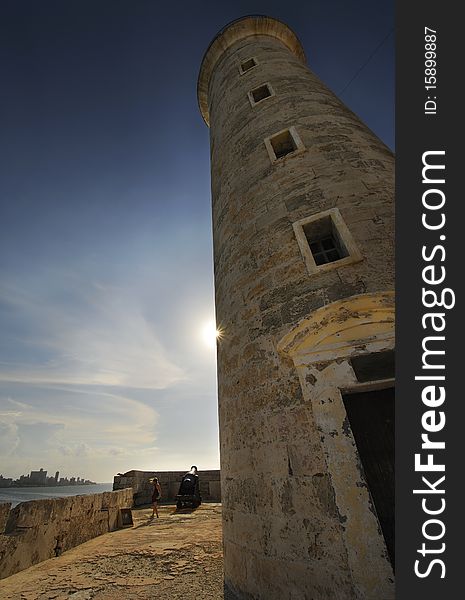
{"type": "Point", "coordinates": [40, 529]}
{"type": "Point", "coordinates": [210, 488]}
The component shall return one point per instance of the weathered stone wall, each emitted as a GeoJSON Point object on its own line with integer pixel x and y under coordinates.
{"type": "Point", "coordinates": [40, 529]}
{"type": "Point", "coordinates": [210, 488]}
{"type": "Point", "coordinates": [290, 517]}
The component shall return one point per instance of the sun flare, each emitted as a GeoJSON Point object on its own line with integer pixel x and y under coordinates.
{"type": "Point", "coordinates": [210, 334]}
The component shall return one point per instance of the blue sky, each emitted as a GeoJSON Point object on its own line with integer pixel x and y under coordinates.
{"type": "Point", "coordinates": [106, 277]}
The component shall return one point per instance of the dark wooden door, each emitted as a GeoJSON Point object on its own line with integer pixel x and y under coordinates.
{"type": "Point", "coordinates": [371, 418]}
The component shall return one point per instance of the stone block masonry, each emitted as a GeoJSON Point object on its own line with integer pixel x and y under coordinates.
{"type": "Point", "coordinates": [210, 489]}
{"type": "Point", "coordinates": [40, 529]}
{"type": "Point", "coordinates": [292, 175]}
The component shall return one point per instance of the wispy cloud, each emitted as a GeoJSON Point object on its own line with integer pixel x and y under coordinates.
{"type": "Point", "coordinates": [100, 337]}
{"type": "Point", "coordinates": [104, 372]}
{"type": "Point", "coordinates": [76, 429]}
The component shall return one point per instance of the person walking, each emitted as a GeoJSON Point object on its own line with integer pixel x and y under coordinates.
{"type": "Point", "coordinates": [156, 495]}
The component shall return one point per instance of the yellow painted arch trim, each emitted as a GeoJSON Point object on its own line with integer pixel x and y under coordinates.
{"type": "Point", "coordinates": [353, 319]}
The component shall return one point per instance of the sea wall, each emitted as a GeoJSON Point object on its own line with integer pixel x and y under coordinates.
{"type": "Point", "coordinates": [40, 529]}
{"type": "Point", "coordinates": [210, 489]}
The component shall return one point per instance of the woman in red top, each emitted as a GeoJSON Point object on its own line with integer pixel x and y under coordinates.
{"type": "Point", "coordinates": [156, 495]}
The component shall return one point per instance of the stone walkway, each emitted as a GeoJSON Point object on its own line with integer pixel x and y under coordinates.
{"type": "Point", "coordinates": [176, 556]}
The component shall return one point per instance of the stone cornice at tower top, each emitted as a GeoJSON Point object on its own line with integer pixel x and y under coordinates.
{"type": "Point", "coordinates": [237, 30]}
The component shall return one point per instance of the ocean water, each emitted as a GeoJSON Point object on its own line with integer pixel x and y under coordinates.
{"type": "Point", "coordinates": [17, 495]}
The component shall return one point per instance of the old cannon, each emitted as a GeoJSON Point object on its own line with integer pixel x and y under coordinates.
{"type": "Point", "coordinates": [189, 490]}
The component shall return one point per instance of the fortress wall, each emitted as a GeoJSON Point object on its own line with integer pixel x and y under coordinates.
{"type": "Point", "coordinates": [40, 529]}
{"type": "Point", "coordinates": [210, 489]}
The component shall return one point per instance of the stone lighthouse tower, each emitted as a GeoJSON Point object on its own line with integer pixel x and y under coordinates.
{"type": "Point", "coordinates": [303, 212]}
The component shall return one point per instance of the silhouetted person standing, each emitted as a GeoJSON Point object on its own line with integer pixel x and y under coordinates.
{"type": "Point", "coordinates": [156, 495]}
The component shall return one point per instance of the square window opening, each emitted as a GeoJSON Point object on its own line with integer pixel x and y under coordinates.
{"type": "Point", "coordinates": [261, 93]}
{"type": "Point", "coordinates": [248, 64]}
{"type": "Point", "coordinates": [373, 367]}
{"type": "Point", "coordinates": [324, 241]}
{"type": "Point", "coordinates": [283, 144]}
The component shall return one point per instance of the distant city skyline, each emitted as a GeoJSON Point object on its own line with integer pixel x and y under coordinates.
{"type": "Point", "coordinates": [39, 478]}
{"type": "Point", "coordinates": [106, 272]}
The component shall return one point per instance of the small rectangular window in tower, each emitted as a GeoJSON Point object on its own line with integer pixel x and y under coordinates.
{"type": "Point", "coordinates": [248, 64]}
{"type": "Point", "coordinates": [325, 241]}
{"type": "Point", "coordinates": [283, 143]}
{"type": "Point", "coordinates": [260, 93]}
